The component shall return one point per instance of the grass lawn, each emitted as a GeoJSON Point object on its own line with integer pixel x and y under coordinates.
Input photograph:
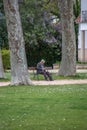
{"type": "Point", "coordinates": [54, 75]}
{"type": "Point", "coordinates": [43, 107]}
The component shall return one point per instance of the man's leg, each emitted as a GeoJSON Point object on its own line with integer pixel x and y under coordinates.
{"type": "Point", "coordinates": [45, 75]}
{"type": "Point", "coordinates": [49, 75]}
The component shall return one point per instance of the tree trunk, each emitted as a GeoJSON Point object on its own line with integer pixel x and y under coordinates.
{"type": "Point", "coordinates": [19, 71]}
{"type": "Point", "coordinates": [1, 66]}
{"type": "Point", "coordinates": [68, 63]}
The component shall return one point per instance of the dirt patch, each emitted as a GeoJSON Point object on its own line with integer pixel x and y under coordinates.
{"type": "Point", "coordinates": [55, 82]}
{"type": "Point", "coordinates": [60, 82]}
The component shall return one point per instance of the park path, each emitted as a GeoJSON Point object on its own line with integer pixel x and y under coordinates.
{"type": "Point", "coordinates": [60, 82]}
{"type": "Point", "coordinates": [55, 82]}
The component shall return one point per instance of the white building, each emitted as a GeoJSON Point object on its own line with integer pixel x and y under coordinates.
{"type": "Point", "coordinates": [82, 35]}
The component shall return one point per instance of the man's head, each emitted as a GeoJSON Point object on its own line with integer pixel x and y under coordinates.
{"type": "Point", "coordinates": [43, 61]}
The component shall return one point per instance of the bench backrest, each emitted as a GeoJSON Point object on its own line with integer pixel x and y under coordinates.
{"type": "Point", "coordinates": [35, 68]}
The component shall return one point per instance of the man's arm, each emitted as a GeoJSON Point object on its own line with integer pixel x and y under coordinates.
{"type": "Point", "coordinates": [40, 67]}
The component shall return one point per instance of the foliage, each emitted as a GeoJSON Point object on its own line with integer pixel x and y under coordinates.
{"type": "Point", "coordinates": [52, 7]}
{"type": "Point", "coordinates": [36, 53]}
{"type": "Point", "coordinates": [38, 31]}
{"type": "Point", "coordinates": [3, 34]}
{"type": "Point", "coordinates": [3, 28]}
{"type": "Point", "coordinates": [6, 59]}
{"type": "Point", "coordinates": [36, 21]}
{"type": "Point", "coordinates": [76, 9]}
{"type": "Point", "coordinates": [43, 107]}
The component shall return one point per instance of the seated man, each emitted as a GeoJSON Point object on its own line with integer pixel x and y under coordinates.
{"type": "Point", "coordinates": [41, 70]}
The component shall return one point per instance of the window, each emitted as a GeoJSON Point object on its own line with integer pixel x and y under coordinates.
{"type": "Point", "coordinates": [84, 16]}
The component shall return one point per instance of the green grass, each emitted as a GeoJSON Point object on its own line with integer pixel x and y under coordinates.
{"type": "Point", "coordinates": [43, 107]}
{"type": "Point", "coordinates": [54, 75]}
{"type": "Point", "coordinates": [77, 76]}
{"type": "Point", "coordinates": [7, 77]}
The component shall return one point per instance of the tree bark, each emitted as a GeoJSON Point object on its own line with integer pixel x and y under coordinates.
{"type": "Point", "coordinates": [19, 71]}
{"type": "Point", "coordinates": [68, 63]}
{"type": "Point", "coordinates": [1, 66]}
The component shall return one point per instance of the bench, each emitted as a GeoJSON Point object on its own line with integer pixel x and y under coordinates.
{"type": "Point", "coordinates": [34, 69]}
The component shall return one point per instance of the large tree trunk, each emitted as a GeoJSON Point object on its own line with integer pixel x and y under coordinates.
{"type": "Point", "coordinates": [19, 71]}
{"type": "Point", "coordinates": [1, 66]}
{"type": "Point", "coordinates": [68, 63]}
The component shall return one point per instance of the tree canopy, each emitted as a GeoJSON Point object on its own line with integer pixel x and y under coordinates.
{"type": "Point", "coordinates": [41, 29]}
{"type": "Point", "coordinates": [3, 28]}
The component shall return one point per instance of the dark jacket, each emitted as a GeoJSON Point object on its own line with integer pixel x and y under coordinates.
{"type": "Point", "coordinates": [40, 67]}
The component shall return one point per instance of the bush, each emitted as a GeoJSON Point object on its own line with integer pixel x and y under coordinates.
{"type": "Point", "coordinates": [35, 53]}
{"type": "Point", "coordinates": [6, 59]}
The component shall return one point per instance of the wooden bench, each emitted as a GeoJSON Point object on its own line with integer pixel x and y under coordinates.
{"type": "Point", "coordinates": [34, 69]}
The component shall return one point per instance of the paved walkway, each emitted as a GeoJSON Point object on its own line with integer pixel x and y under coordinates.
{"type": "Point", "coordinates": [55, 82]}
{"type": "Point", "coordinates": [60, 82]}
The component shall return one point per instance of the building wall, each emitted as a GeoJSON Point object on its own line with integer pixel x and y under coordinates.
{"type": "Point", "coordinates": [83, 10]}
{"type": "Point", "coordinates": [79, 39]}
{"type": "Point", "coordinates": [82, 27]}
{"type": "Point", "coordinates": [79, 55]}
{"type": "Point", "coordinates": [83, 5]}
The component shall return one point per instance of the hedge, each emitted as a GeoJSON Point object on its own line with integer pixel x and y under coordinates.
{"type": "Point", "coordinates": [6, 59]}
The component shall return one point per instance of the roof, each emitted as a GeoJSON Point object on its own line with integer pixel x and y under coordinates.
{"type": "Point", "coordinates": [78, 19]}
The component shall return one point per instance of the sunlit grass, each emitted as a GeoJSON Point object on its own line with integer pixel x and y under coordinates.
{"type": "Point", "coordinates": [43, 107]}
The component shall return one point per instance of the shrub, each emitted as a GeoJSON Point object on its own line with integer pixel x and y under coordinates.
{"type": "Point", "coordinates": [6, 59]}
